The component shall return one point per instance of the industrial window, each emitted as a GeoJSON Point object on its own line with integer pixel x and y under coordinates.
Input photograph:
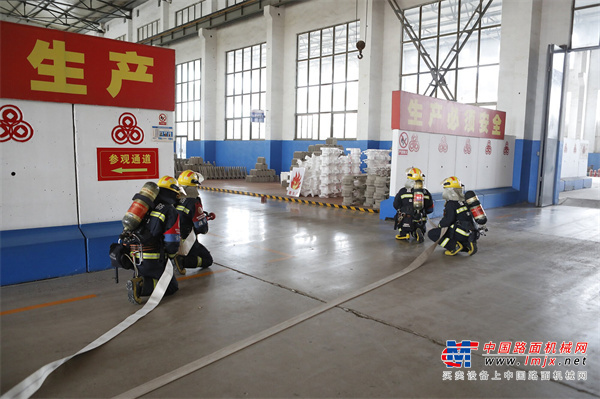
{"type": "Point", "coordinates": [147, 30]}
{"type": "Point", "coordinates": [471, 74]}
{"type": "Point", "coordinates": [187, 104]}
{"type": "Point", "coordinates": [121, 38]}
{"type": "Point", "coordinates": [586, 28]}
{"type": "Point", "coordinates": [327, 83]}
{"type": "Point", "coordinates": [189, 14]}
{"type": "Point", "coordinates": [246, 87]}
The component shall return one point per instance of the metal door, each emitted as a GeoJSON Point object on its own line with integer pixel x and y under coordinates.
{"type": "Point", "coordinates": [549, 168]}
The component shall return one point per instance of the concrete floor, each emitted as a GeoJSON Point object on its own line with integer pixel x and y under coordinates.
{"type": "Point", "coordinates": [534, 279]}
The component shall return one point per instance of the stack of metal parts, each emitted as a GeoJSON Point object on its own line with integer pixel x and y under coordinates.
{"type": "Point", "coordinates": [261, 173]}
{"type": "Point", "coordinates": [354, 155]}
{"type": "Point", "coordinates": [382, 190]}
{"type": "Point", "coordinates": [208, 170]}
{"type": "Point", "coordinates": [314, 149]}
{"type": "Point", "coordinates": [378, 162]}
{"type": "Point", "coordinates": [331, 172]}
{"type": "Point", "coordinates": [353, 189]}
{"type": "Point", "coordinates": [370, 191]}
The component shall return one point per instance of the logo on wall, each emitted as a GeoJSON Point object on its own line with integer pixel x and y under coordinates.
{"type": "Point", "coordinates": [127, 130]}
{"type": "Point", "coordinates": [413, 145]}
{"type": "Point", "coordinates": [443, 147]}
{"type": "Point", "coordinates": [575, 148]}
{"type": "Point", "coordinates": [403, 142]}
{"type": "Point", "coordinates": [506, 149]}
{"type": "Point", "coordinates": [583, 149]}
{"type": "Point", "coordinates": [12, 125]}
{"type": "Point", "coordinates": [565, 149]}
{"type": "Point", "coordinates": [488, 148]}
{"type": "Point", "coordinates": [467, 149]}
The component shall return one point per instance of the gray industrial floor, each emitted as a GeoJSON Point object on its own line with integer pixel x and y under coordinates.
{"type": "Point", "coordinates": [534, 279]}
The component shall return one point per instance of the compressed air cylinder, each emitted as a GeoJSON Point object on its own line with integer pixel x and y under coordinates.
{"type": "Point", "coordinates": [418, 197]}
{"type": "Point", "coordinates": [140, 206]}
{"type": "Point", "coordinates": [475, 207]}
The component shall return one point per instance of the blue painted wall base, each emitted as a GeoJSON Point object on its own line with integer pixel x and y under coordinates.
{"type": "Point", "coordinates": [98, 237]}
{"type": "Point", "coordinates": [42, 253]}
{"type": "Point", "coordinates": [574, 183]}
{"type": "Point", "coordinates": [278, 153]}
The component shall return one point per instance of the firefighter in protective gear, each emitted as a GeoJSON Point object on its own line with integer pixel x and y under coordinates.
{"type": "Point", "coordinates": [193, 220]}
{"type": "Point", "coordinates": [158, 240]}
{"type": "Point", "coordinates": [462, 233]}
{"type": "Point", "coordinates": [413, 203]}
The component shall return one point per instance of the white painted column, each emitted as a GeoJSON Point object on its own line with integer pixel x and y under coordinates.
{"type": "Point", "coordinates": [518, 64]}
{"type": "Point", "coordinates": [275, 21]}
{"type": "Point", "coordinates": [369, 88]}
{"type": "Point", "coordinates": [208, 55]}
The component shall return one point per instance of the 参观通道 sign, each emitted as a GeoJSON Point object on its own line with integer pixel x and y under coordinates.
{"type": "Point", "coordinates": [49, 65]}
{"type": "Point", "coordinates": [418, 113]}
{"type": "Point", "coordinates": [127, 163]}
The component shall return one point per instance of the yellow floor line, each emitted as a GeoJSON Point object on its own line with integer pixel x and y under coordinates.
{"type": "Point", "coordinates": [280, 198]}
{"type": "Point", "coordinates": [43, 305]}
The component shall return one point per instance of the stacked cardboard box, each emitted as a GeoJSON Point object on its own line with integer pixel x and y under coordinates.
{"type": "Point", "coordinates": [261, 173]}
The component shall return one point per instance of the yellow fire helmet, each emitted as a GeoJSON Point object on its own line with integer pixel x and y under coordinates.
{"type": "Point", "coordinates": [190, 178]}
{"type": "Point", "coordinates": [452, 182]}
{"type": "Point", "coordinates": [415, 174]}
{"type": "Point", "coordinates": [170, 183]}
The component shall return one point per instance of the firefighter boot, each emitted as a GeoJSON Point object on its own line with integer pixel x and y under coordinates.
{"type": "Point", "coordinates": [472, 248]}
{"type": "Point", "coordinates": [134, 290]}
{"type": "Point", "coordinates": [402, 236]}
{"type": "Point", "coordinates": [178, 261]}
{"type": "Point", "coordinates": [419, 235]}
{"type": "Point", "coordinates": [455, 250]}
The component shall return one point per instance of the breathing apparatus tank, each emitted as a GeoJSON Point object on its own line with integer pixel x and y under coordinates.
{"type": "Point", "coordinates": [418, 197]}
{"type": "Point", "coordinates": [142, 202]}
{"type": "Point", "coordinates": [475, 207]}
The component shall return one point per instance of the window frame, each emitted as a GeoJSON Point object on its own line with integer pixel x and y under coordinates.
{"type": "Point", "coordinates": [243, 94]}
{"type": "Point", "coordinates": [487, 29]}
{"type": "Point", "coordinates": [184, 106]}
{"type": "Point", "coordinates": [325, 121]}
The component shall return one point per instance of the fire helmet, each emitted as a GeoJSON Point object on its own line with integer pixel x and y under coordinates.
{"type": "Point", "coordinates": [190, 178]}
{"type": "Point", "coordinates": [415, 174]}
{"type": "Point", "coordinates": [452, 182]}
{"type": "Point", "coordinates": [169, 183]}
